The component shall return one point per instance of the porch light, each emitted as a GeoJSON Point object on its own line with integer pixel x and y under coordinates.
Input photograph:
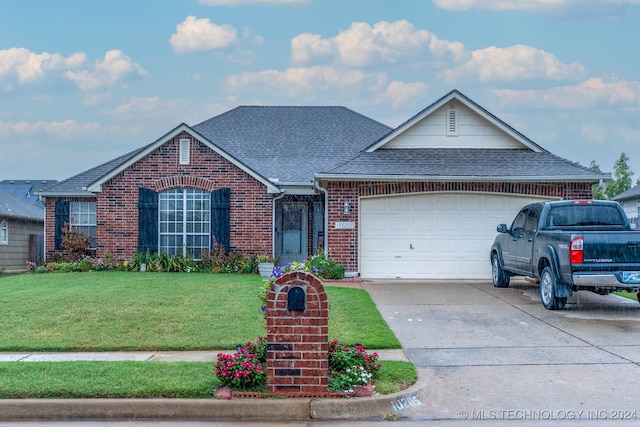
{"type": "Point", "coordinates": [346, 208]}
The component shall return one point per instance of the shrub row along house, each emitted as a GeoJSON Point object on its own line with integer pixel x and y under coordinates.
{"type": "Point", "coordinates": [419, 201]}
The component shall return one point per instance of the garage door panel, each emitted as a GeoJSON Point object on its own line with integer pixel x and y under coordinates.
{"type": "Point", "coordinates": [450, 233]}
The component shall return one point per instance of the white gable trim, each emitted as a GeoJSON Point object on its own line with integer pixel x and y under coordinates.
{"type": "Point", "coordinates": [97, 185]}
{"type": "Point", "coordinates": [462, 99]}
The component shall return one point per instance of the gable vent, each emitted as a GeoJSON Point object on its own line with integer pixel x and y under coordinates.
{"type": "Point", "coordinates": [185, 151]}
{"type": "Point", "coordinates": [452, 119]}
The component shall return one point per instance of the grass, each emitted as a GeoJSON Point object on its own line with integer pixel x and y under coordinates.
{"type": "Point", "coordinates": [66, 380]}
{"type": "Point", "coordinates": [110, 311]}
{"type": "Point", "coordinates": [625, 294]}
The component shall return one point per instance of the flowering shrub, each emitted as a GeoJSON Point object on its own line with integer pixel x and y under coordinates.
{"type": "Point", "coordinates": [349, 378]}
{"type": "Point", "coordinates": [245, 369]}
{"type": "Point", "coordinates": [350, 366]}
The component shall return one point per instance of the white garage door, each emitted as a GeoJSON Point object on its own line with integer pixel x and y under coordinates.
{"type": "Point", "coordinates": [432, 236]}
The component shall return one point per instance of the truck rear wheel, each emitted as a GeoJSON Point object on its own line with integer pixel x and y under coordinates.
{"type": "Point", "coordinates": [548, 291]}
{"type": "Point", "coordinates": [499, 276]}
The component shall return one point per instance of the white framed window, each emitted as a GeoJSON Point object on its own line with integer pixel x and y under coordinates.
{"type": "Point", "coordinates": [82, 218]}
{"type": "Point", "coordinates": [4, 233]}
{"type": "Point", "coordinates": [185, 151]}
{"type": "Point", "coordinates": [185, 222]}
{"type": "Point", "coordinates": [452, 119]}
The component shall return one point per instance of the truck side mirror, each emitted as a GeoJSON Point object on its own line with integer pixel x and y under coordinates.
{"type": "Point", "coordinates": [502, 228]}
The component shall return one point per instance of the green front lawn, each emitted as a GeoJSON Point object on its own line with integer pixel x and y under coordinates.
{"type": "Point", "coordinates": [109, 311]}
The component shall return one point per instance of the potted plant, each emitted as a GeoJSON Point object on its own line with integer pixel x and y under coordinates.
{"type": "Point", "coordinates": [265, 266]}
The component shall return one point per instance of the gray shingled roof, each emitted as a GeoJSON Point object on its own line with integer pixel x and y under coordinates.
{"type": "Point", "coordinates": [77, 184]}
{"type": "Point", "coordinates": [292, 143]}
{"type": "Point", "coordinates": [629, 194]}
{"type": "Point", "coordinates": [457, 162]}
{"type": "Point", "coordinates": [15, 207]}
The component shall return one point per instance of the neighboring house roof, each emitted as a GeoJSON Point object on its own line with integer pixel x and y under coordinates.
{"type": "Point", "coordinates": [277, 145]}
{"type": "Point", "coordinates": [631, 193]}
{"type": "Point", "coordinates": [26, 189]}
{"type": "Point", "coordinates": [410, 154]}
{"type": "Point", "coordinates": [15, 207]}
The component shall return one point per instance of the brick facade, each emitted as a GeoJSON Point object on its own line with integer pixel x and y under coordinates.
{"type": "Point", "coordinates": [298, 340]}
{"type": "Point", "coordinates": [343, 243]}
{"type": "Point", "coordinates": [117, 203]}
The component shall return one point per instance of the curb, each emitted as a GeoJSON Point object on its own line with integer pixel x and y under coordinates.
{"type": "Point", "coordinates": [376, 407]}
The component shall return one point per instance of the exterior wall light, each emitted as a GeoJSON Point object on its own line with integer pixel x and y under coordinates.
{"type": "Point", "coordinates": [346, 208]}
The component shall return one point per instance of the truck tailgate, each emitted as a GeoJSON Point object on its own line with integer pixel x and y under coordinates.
{"type": "Point", "coordinates": [621, 247]}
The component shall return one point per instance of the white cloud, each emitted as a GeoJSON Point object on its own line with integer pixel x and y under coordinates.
{"type": "Point", "coordinates": [67, 129]}
{"type": "Point", "coordinates": [590, 93]}
{"type": "Point", "coordinates": [513, 63]}
{"type": "Point", "coordinates": [197, 35]}
{"type": "Point", "coordinates": [400, 93]}
{"type": "Point", "coordinates": [254, 2]}
{"type": "Point", "coordinates": [114, 68]}
{"type": "Point", "coordinates": [29, 66]}
{"type": "Point", "coordinates": [136, 106]}
{"type": "Point", "coordinates": [385, 42]}
{"type": "Point", "coordinates": [328, 83]}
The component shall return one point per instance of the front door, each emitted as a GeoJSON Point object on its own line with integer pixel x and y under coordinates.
{"type": "Point", "coordinates": [291, 233]}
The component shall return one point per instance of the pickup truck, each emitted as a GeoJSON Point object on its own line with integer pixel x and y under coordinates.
{"type": "Point", "coordinates": [569, 246]}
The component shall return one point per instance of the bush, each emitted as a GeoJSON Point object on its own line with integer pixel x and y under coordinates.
{"type": "Point", "coordinates": [325, 268]}
{"type": "Point", "coordinates": [350, 366]}
{"type": "Point", "coordinates": [245, 369]}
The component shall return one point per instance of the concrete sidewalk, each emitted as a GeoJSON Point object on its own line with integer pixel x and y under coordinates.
{"type": "Point", "coordinates": [151, 356]}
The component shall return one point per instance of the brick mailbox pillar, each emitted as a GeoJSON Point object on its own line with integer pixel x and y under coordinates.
{"type": "Point", "coordinates": [297, 336]}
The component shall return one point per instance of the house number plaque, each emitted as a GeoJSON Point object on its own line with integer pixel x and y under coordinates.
{"type": "Point", "coordinates": [345, 224]}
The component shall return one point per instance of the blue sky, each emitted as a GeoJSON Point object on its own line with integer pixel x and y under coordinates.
{"type": "Point", "coordinates": [82, 82]}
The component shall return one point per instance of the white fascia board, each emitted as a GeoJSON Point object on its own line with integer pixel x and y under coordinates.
{"type": "Point", "coordinates": [97, 185]}
{"type": "Point", "coordinates": [83, 194]}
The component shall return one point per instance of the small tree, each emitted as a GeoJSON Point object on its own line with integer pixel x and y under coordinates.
{"type": "Point", "coordinates": [622, 174]}
{"type": "Point", "coordinates": [596, 189]}
{"type": "Point", "coordinates": [76, 243]}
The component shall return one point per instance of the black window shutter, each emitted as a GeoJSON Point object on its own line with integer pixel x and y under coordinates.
{"type": "Point", "coordinates": [61, 217]}
{"type": "Point", "coordinates": [220, 217]}
{"type": "Point", "coordinates": [147, 220]}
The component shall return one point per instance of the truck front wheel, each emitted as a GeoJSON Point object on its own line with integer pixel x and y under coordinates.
{"type": "Point", "coordinates": [499, 276]}
{"type": "Point", "coordinates": [548, 291]}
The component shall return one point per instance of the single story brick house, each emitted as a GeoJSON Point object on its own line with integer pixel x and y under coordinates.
{"type": "Point", "coordinates": [21, 233]}
{"type": "Point", "coordinates": [419, 201]}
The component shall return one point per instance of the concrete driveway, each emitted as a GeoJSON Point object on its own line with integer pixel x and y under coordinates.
{"type": "Point", "coordinates": [497, 354]}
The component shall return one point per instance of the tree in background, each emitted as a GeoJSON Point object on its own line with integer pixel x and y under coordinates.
{"type": "Point", "coordinates": [596, 189]}
{"type": "Point", "coordinates": [622, 174]}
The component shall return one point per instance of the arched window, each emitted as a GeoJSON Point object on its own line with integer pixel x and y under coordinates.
{"type": "Point", "coordinates": [4, 233]}
{"type": "Point", "coordinates": [185, 222]}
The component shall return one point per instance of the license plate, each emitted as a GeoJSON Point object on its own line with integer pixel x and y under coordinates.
{"type": "Point", "coordinates": [631, 276]}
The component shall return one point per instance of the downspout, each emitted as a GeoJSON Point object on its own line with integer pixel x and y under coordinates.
{"type": "Point", "coordinates": [273, 221]}
{"type": "Point", "coordinates": [326, 216]}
